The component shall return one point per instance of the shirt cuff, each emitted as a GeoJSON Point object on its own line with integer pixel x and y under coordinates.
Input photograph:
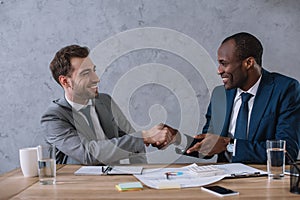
{"type": "Point", "coordinates": [234, 145]}
{"type": "Point", "coordinates": [182, 144]}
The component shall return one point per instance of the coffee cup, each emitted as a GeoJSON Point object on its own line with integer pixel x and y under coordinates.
{"type": "Point", "coordinates": [28, 161]}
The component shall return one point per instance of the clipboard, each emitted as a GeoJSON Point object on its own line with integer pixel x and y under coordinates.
{"type": "Point", "coordinates": [239, 170]}
{"type": "Point", "coordinates": [246, 175]}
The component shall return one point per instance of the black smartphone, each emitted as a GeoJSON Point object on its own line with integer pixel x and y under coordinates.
{"type": "Point", "coordinates": [219, 191]}
{"type": "Point", "coordinates": [195, 153]}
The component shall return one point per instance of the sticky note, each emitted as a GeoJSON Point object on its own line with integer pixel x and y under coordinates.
{"type": "Point", "coordinates": [129, 186]}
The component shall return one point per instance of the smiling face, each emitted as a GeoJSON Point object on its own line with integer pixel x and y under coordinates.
{"type": "Point", "coordinates": [81, 85]}
{"type": "Point", "coordinates": [232, 70]}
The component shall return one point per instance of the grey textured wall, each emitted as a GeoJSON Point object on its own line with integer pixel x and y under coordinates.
{"type": "Point", "coordinates": [31, 31]}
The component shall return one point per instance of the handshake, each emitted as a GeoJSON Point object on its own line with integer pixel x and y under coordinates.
{"type": "Point", "coordinates": [160, 136]}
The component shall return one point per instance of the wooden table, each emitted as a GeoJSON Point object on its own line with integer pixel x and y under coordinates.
{"type": "Point", "coordinates": [14, 186]}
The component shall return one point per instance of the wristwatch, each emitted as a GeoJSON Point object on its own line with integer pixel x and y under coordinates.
{"type": "Point", "coordinates": [230, 145]}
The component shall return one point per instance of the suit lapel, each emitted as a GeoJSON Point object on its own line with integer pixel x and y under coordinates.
{"type": "Point", "coordinates": [230, 94]}
{"type": "Point", "coordinates": [261, 100]}
{"type": "Point", "coordinates": [78, 121]}
{"type": "Point", "coordinates": [83, 126]}
{"type": "Point", "coordinates": [106, 119]}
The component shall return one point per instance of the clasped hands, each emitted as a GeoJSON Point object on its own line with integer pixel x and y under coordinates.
{"type": "Point", "coordinates": [160, 136]}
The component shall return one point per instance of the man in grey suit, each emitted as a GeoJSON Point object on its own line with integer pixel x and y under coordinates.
{"type": "Point", "coordinates": [88, 127]}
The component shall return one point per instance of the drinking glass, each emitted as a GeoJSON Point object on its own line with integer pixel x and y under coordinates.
{"type": "Point", "coordinates": [46, 164]}
{"type": "Point", "coordinates": [276, 158]}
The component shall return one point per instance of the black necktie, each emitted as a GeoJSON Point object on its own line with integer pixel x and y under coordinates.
{"type": "Point", "coordinates": [87, 113]}
{"type": "Point", "coordinates": [242, 119]}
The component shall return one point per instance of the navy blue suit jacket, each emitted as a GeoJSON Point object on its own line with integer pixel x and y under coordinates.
{"type": "Point", "coordinates": [275, 115]}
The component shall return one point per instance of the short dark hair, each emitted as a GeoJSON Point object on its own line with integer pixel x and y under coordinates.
{"type": "Point", "coordinates": [61, 65]}
{"type": "Point", "coordinates": [247, 45]}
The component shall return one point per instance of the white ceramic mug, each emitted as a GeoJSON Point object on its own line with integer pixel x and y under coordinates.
{"type": "Point", "coordinates": [28, 161]}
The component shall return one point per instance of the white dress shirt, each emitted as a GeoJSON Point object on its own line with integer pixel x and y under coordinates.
{"type": "Point", "coordinates": [236, 107]}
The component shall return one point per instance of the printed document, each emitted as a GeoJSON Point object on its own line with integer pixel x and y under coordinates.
{"type": "Point", "coordinates": [97, 170]}
{"type": "Point", "coordinates": [193, 175]}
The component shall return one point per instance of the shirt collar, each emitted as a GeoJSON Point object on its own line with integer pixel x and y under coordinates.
{"type": "Point", "coordinates": [77, 106]}
{"type": "Point", "coordinates": [252, 90]}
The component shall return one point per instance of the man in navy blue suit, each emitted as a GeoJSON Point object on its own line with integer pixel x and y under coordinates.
{"type": "Point", "coordinates": [273, 106]}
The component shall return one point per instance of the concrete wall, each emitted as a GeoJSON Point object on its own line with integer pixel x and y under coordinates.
{"type": "Point", "coordinates": [161, 73]}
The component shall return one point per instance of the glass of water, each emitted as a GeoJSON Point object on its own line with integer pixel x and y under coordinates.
{"type": "Point", "coordinates": [276, 158]}
{"type": "Point", "coordinates": [46, 164]}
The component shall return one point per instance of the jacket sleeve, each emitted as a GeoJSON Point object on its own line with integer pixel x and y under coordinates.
{"type": "Point", "coordinates": [124, 127]}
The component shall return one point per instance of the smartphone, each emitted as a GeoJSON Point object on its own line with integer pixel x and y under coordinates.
{"type": "Point", "coordinates": [195, 153]}
{"type": "Point", "coordinates": [219, 191]}
{"type": "Point", "coordinates": [287, 172]}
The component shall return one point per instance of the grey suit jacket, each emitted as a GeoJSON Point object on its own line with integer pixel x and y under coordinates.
{"type": "Point", "coordinates": [68, 130]}
{"type": "Point", "coordinates": [218, 107]}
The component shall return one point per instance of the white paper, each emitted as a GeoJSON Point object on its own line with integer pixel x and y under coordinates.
{"type": "Point", "coordinates": [156, 178]}
{"type": "Point", "coordinates": [126, 170]}
{"type": "Point", "coordinates": [97, 170]}
{"type": "Point", "coordinates": [239, 169]}
{"type": "Point", "coordinates": [89, 170]}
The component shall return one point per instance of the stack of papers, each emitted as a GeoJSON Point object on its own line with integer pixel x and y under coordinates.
{"type": "Point", "coordinates": [130, 186]}
{"type": "Point", "coordinates": [208, 170]}
{"type": "Point", "coordinates": [164, 178]}
{"type": "Point", "coordinates": [116, 170]}
{"type": "Point", "coordinates": [194, 175]}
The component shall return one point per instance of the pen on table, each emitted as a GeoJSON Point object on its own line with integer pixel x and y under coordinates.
{"type": "Point", "coordinates": [168, 174]}
{"type": "Point", "coordinates": [245, 174]}
{"type": "Point", "coordinates": [107, 169]}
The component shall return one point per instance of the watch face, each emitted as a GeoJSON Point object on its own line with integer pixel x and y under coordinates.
{"type": "Point", "coordinates": [230, 148]}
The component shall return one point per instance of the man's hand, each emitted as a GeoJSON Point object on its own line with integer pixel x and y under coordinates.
{"type": "Point", "coordinates": [159, 136]}
{"type": "Point", "coordinates": [172, 135]}
{"type": "Point", "coordinates": [210, 144]}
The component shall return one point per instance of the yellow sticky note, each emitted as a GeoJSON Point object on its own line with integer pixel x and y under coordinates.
{"type": "Point", "coordinates": [129, 186]}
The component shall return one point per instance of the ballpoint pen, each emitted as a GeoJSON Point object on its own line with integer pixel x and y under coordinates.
{"type": "Point", "coordinates": [246, 174]}
{"type": "Point", "coordinates": [168, 174]}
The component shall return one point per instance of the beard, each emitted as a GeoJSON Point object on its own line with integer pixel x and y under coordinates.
{"type": "Point", "coordinates": [84, 95]}
{"type": "Point", "coordinates": [90, 94]}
